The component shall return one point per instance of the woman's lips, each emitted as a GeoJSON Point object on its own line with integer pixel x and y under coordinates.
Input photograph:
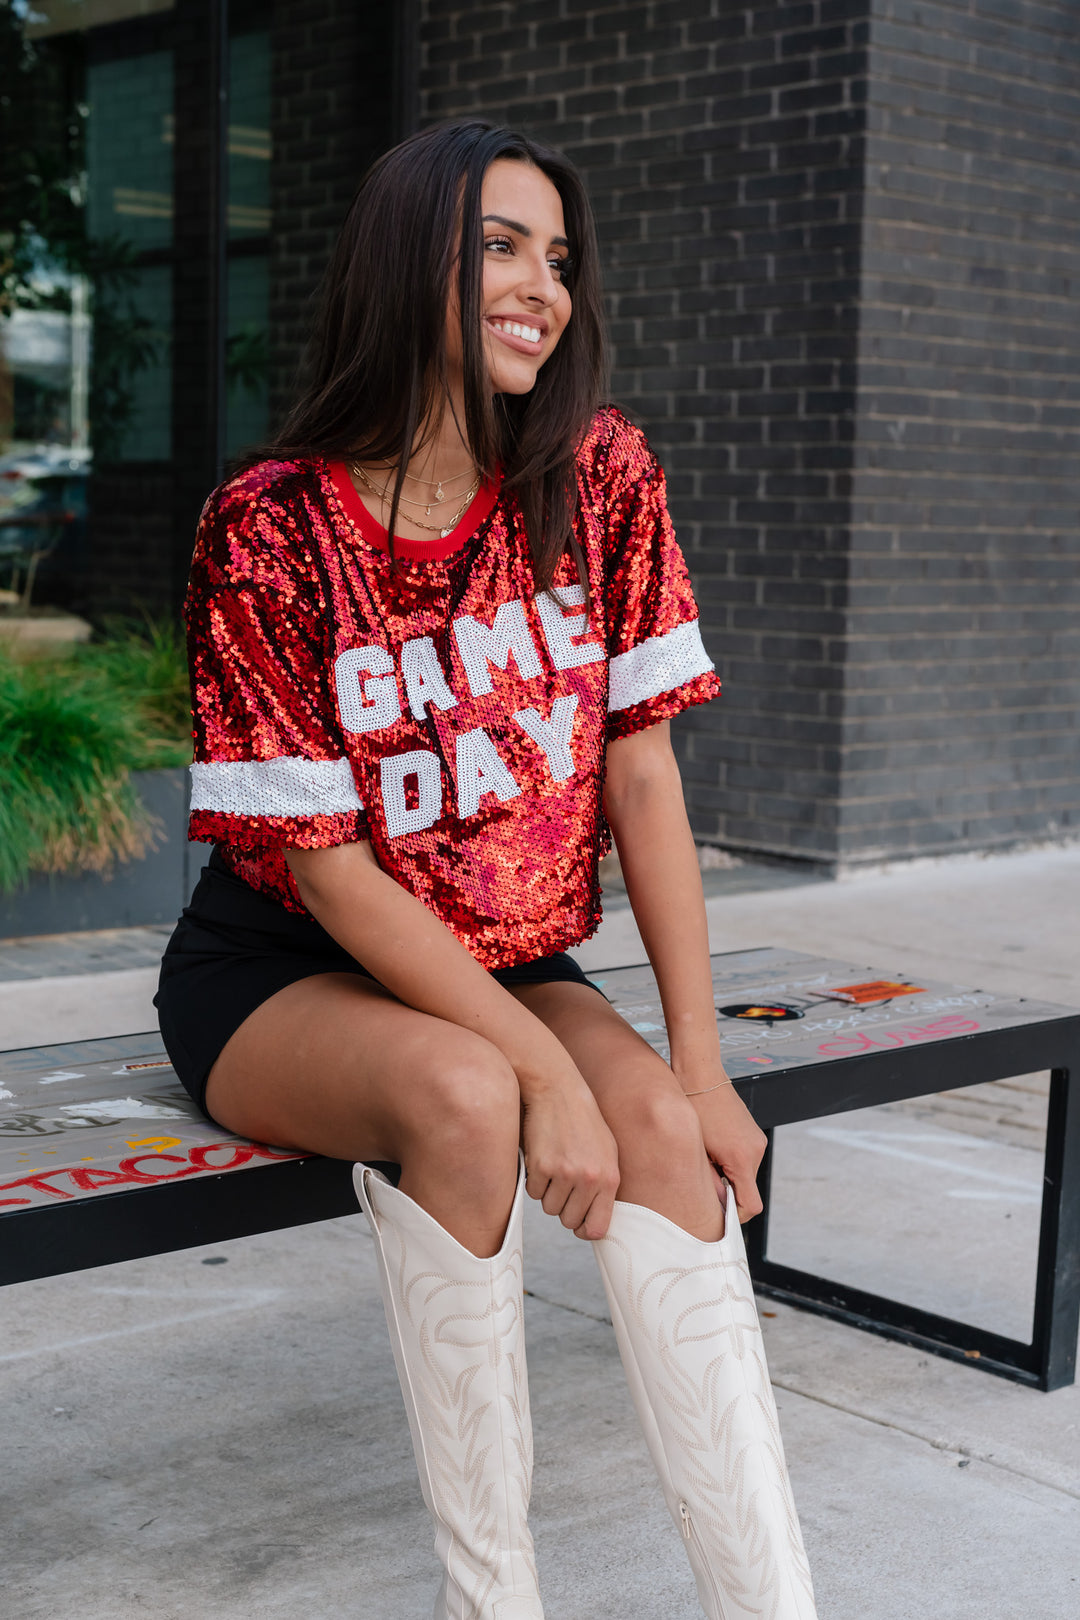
{"type": "Point", "coordinates": [512, 340]}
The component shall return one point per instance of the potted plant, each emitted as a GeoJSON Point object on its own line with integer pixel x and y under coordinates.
{"type": "Point", "coordinates": [93, 745]}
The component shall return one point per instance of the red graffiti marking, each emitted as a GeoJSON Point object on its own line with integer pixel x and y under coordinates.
{"type": "Point", "coordinates": [91, 1180]}
{"type": "Point", "coordinates": [129, 1172]}
{"type": "Point", "coordinates": [940, 1029]}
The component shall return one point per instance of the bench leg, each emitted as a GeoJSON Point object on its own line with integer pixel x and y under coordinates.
{"type": "Point", "coordinates": [457, 1330]}
{"type": "Point", "coordinates": [1057, 1282]}
{"type": "Point", "coordinates": [1049, 1361]}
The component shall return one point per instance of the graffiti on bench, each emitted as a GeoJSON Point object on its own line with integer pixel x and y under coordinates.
{"type": "Point", "coordinates": [86, 1119]}
{"type": "Point", "coordinates": [71, 1180]}
{"type": "Point", "coordinates": [786, 1009]}
{"type": "Point", "coordinates": [97, 1117]}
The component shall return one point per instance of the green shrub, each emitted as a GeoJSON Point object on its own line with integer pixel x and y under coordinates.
{"type": "Point", "coordinates": [146, 660]}
{"type": "Point", "coordinates": [71, 731]}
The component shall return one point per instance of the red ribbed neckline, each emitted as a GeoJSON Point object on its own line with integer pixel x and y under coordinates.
{"type": "Point", "coordinates": [415, 550]}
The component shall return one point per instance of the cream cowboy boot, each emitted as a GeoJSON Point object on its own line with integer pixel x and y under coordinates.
{"type": "Point", "coordinates": [688, 1333]}
{"type": "Point", "coordinates": [458, 1335]}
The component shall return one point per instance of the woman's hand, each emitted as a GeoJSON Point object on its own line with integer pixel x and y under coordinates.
{"type": "Point", "coordinates": [571, 1161]}
{"type": "Point", "coordinates": [570, 1154]}
{"type": "Point", "coordinates": [734, 1143]}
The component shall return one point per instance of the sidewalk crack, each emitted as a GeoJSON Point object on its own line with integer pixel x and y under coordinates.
{"type": "Point", "coordinates": [988, 1458]}
{"type": "Point", "coordinates": [558, 1304]}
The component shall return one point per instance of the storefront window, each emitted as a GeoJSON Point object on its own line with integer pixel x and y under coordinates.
{"type": "Point", "coordinates": [247, 353]}
{"type": "Point", "coordinates": [154, 210]}
{"type": "Point", "coordinates": [129, 223]}
{"type": "Point", "coordinates": [86, 248]}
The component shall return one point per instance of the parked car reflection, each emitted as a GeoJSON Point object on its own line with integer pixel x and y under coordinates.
{"type": "Point", "coordinates": [43, 524]}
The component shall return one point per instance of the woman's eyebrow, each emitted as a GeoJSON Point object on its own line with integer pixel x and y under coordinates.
{"type": "Point", "coordinates": [522, 230]}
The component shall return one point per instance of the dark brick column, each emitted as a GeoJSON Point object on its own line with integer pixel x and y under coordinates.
{"type": "Point", "coordinates": [836, 236]}
{"type": "Point", "coordinates": [200, 188]}
{"type": "Point", "coordinates": [334, 97]}
{"type": "Point", "coordinates": [962, 690]}
{"type": "Point", "coordinates": [723, 148]}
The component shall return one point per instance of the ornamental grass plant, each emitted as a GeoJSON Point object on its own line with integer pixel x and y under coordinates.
{"type": "Point", "coordinates": [72, 729]}
{"type": "Point", "coordinates": [145, 662]}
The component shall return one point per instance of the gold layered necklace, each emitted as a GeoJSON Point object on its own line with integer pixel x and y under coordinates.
{"type": "Point", "coordinates": [436, 484]}
{"type": "Point", "coordinates": [440, 495]}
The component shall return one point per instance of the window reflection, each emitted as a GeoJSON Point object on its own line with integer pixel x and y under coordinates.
{"type": "Point", "coordinates": [247, 353]}
{"type": "Point", "coordinates": [129, 215]}
{"type": "Point", "coordinates": [129, 149]}
{"type": "Point", "coordinates": [249, 134]}
{"type": "Point", "coordinates": [45, 17]}
{"type": "Point", "coordinates": [135, 342]}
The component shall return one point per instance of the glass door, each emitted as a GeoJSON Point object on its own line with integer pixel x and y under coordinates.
{"type": "Point", "coordinates": [172, 173]}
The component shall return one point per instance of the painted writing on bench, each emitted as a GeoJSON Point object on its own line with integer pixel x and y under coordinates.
{"type": "Point", "coordinates": [70, 1180]}
{"type": "Point", "coordinates": [831, 1028]}
{"type": "Point", "coordinates": [859, 1041]}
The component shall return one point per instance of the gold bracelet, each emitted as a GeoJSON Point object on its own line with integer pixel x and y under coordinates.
{"type": "Point", "coordinates": [706, 1089]}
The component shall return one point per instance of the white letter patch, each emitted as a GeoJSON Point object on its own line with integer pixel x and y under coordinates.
{"type": "Point", "coordinates": [561, 629]}
{"type": "Point", "coordinates": [480, 771]}
{"type": "Point", "coordinates": [394, 772]}
{"type": "Point", "coordinates": [368, 705]}
{"type": "Point", "coordinates": [481, 645]}
{"type": "Point", "coordinates": [553, 735]}
{"type": "Point", "coordinates": [424, 679]}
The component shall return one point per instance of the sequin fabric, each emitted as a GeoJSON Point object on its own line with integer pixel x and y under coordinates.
{"type": "Point", "coordinates": [446, 712]}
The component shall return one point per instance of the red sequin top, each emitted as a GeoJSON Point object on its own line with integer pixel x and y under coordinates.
{"type": "Point", "coordinates": [447, 713]}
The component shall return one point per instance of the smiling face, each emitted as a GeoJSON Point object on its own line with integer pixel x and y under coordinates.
{"type": "Point", "coordinates": [525, 302]}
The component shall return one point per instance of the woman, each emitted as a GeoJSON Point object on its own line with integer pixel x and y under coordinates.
{"type": "Point", "coordinates": [436, 638]}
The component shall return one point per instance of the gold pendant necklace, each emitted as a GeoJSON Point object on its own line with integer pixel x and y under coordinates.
{"type": "Point", "coordinates": [432, 528]}
{"type": "Point", "coordinates": [440, 493]}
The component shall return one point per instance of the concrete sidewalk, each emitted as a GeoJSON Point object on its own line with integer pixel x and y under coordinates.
{"type": "Point", "coordinates": [217, 1433]}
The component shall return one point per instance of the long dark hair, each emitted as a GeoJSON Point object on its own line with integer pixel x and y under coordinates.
{"type": "Point", "coordinates": [377, 361]}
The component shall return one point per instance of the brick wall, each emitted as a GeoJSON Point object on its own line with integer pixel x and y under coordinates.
{"type": "Point", "coordinates": [723, 148]}
{"type": "Point", "coordinates": [963, 640]}
{"type": "Point", "coordinates": [333, 103]}
{"type": "Point", "coordinates": [879, 529]}
{"type": "Point", "coordinates": [131, 510]}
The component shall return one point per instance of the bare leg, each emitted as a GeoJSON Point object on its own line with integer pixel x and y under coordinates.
{"type": "Point", "coordinates": [338, 1065]}
{"type": "Point", "coordinates": [335, 1064]}
{"type": "Point", "coordinates": [702, 1393]}
{"type": "Point", "coordinates": [662, 1160]}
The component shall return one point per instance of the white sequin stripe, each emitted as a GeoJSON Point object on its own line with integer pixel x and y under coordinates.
{"type": "Point", "coordinates": [661, 664]}
{"type": "Point", "coordinates": [275, 787]}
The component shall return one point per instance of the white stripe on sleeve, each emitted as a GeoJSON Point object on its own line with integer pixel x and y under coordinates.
{"type": "Point", "coordinates": [275, 787]}
{"type": "Point", "coordinates": [661, 664]}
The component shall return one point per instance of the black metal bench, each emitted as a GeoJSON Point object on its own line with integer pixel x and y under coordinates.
{"type": "Point", "coordinates": [103, 1158]}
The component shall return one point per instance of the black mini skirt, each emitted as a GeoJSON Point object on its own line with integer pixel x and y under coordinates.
{"type": "Point", "coordinates": [234, 948]}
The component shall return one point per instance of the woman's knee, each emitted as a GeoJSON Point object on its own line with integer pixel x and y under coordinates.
{"type": "Point", "coordinates": [467, 1105]}
{"type": "Point", "coordinates": [656, 1126]}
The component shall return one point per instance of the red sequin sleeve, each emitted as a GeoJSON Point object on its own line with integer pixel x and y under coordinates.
{"type": "Point", "coordinates": [659, 665]}
{"type": "Point", "coordinates": [270, 763]}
